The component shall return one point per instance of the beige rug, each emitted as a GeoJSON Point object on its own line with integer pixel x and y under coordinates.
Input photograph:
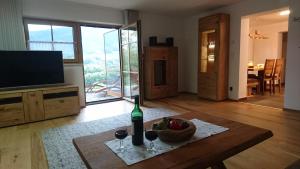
{"type": "Point", "coordinates": [60, 152]}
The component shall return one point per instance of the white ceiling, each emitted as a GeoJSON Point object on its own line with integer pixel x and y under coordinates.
{"type": "Point", "coordinates": [268, 18]}
{"type": "Point", "coordinates": [172, 7]}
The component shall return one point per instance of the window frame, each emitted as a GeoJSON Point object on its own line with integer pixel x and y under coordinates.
{"type": "Point", "coordinates": [76, 35]}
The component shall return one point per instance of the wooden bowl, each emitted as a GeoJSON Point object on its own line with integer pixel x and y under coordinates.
{"type": "Point", "coordinates": [170, 135]}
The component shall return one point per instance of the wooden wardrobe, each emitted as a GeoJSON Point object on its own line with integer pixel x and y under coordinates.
{"type": "Point", "coordinates": [213, 57]}
{"type": "Point", "coordinates": [161, 72]}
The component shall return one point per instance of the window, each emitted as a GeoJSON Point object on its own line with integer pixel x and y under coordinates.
{"type": "Point", "coordinates": [52, 35]}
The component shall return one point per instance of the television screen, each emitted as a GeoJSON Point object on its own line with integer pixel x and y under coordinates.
{"type": "Point", "coordinates": [29, 68]}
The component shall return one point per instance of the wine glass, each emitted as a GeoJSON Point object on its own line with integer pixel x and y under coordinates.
{"type": "Point", "coordinates": [151, 135]}
{"type": "Point", "coordinates": [121, 134]}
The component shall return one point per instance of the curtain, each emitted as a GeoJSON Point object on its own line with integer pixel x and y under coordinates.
{"type": "Point", "coordinates": [11, 25]}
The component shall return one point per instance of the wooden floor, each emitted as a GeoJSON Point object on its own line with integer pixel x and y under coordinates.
{"type": "Point", "coordinates": [21, 148]}
{"type": "Point", "coordinates": [271, 100]}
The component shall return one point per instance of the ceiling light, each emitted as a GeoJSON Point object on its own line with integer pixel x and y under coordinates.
{"type": "Point", "coordinates": [257, 35]}
{"type": "Point", "coordinates": [285, 12]}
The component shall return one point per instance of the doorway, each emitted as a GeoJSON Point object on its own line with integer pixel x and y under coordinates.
{"type": "Point", "coordinates": [112, 63]}
{"type": "Point", "coordinates": [263, 50]}
{"type": "Point", "coordinates": [101, 62]}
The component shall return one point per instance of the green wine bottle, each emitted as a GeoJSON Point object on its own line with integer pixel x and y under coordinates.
{"type": "Point", "coordinates": [137, 123]}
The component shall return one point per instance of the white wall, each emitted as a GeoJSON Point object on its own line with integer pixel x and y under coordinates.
{"type": "Point", "coordinates": [244, 49]}
{"type": "Point", "coordinates": [237, 68]}
{"type": "Point", "coordinates": [292, 82]}
{"type": "Point", "coordinates": [11, 27]}
{"type": "Point", "coordinates": [162, 27]}
{"type": "Point", "coordinates": [268, 48]}
{"type": "Point", "coordinates": [68, 11]}
{"type": "Point", "coordinates": [74, 75]}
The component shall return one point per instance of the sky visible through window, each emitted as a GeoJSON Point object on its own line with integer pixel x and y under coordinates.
{"type": "Point", "coordinates": [41, 38]}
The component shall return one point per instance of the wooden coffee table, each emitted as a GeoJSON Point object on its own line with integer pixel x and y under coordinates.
{"type": "Point", "coordinates": [208, 152]}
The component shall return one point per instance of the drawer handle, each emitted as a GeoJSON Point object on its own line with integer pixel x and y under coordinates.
{"type": "Point", "coordinates": [61, 101]}
{"type": "Point", "coordinates": [2, 109]}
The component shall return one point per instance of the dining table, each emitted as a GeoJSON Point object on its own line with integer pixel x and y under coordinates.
{"type": "Point", "coordinates": [204, 153]}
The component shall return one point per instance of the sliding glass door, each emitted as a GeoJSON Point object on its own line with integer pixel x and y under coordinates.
{"type": "Point", "coordinates": [131, 61]}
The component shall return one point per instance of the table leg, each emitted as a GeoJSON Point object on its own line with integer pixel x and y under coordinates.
{"type": "Point", "coordinates": [219, 165]}
{"type": "Point", "coordinates": [261, 81]}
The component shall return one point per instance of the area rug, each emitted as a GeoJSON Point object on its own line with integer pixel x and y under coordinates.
{"type": "Point", "coordinates": [60, 152]}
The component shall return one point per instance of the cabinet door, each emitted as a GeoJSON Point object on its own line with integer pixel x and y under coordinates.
{"type": "Point", "coordinates": [60, 107]}
{"type": "Point", "coordinates": [172, 76]}
{"type": "Point", "coordinates": [11, 109]}
{"type": "Point", "coordinates": [33, 106]}
{"type": "Point", "coordinates": [208, 61]}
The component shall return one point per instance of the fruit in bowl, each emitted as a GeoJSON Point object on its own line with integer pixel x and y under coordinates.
{"type": "Point", "coordinates": [171, 129]}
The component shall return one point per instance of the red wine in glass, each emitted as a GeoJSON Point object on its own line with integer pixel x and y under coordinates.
{"type": "Point", "coordinates": [151, 136]}
{"type": "Point", "coordinates": [121, 134]}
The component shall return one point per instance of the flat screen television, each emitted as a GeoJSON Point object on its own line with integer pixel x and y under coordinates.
{"type": "Point", "coordinates": [30, 68]}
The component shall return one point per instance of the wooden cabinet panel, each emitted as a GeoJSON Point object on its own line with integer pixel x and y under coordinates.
{"type": "Point", "coordinates": [164, 60]}
{"type": "Point", "coordinates": [173, 73]}
{"type": "Point", "coordinates": [69, 89]}
{"type": "Point", "coordinates": [61, 107]}
{"type": "Point", "coordinates": [160, 53]}
{"type": "Point", "coordinates": [11, 114]}
{"type": "Point", "coordinates": [33, 106]}
{"type": "Point", "coordinates": [158, 92]}
{"type": "Point", "coordinates": [213, 57]}
{"type": "Point", "coordinates": [10, 95]}
{"type": "Point", "coordinates": [29, 105]}
{"type": "Point", "coordinates": [11, 109]}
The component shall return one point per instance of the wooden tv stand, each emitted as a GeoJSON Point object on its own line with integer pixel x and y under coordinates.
{"type": "Point", "coordinates": [36, 104]}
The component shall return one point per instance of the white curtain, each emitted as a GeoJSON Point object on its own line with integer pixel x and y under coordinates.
{"type": "Point", "coordinates": [11, 25]}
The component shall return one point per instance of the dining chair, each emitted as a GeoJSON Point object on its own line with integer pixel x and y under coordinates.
{"type": "Point", "coordinates": [268, 74]}
{"type": "Point", "coordinates": [276, 77]}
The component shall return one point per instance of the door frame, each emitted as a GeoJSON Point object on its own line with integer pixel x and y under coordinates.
{"type": "Point", "coordinates": [140, 58]}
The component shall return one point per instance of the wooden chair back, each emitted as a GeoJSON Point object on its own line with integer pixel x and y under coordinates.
{"type": "Point", "coordinates": [278, 68]}
{"type": "Point", "coordinates": [269, 68]}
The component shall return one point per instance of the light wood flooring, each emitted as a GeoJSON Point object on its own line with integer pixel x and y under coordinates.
{"type": "Point", "coordinates": [21, 148]}
{"type": "Point", "coordinates": [272, 100]}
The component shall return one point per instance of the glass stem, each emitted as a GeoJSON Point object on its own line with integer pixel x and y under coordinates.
{"type": "Point", "coordinates": [151, 145]}
{"type": "Point", "coordinates": [121, 144]}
